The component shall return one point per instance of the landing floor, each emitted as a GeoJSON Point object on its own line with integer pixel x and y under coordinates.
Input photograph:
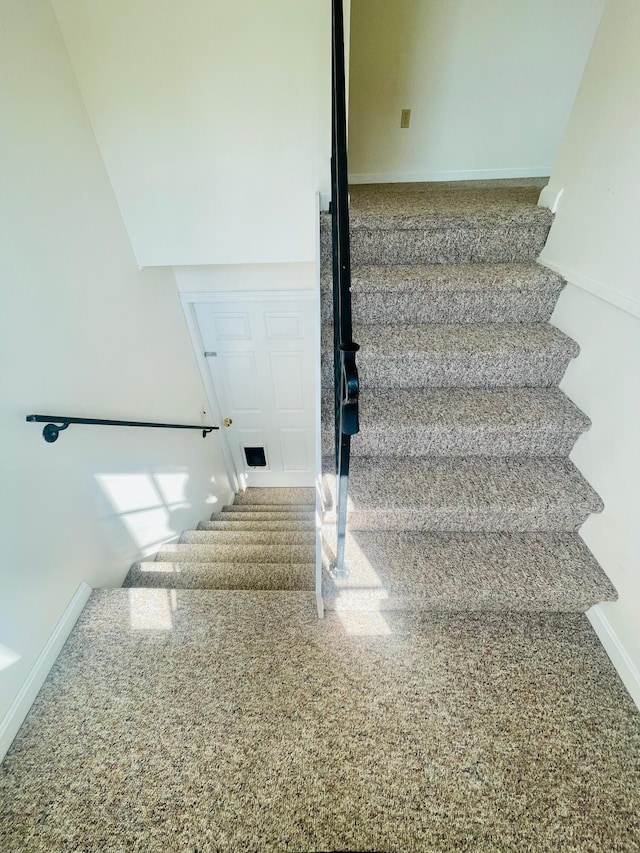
{"type": "Point", "coordinates": [188, 720]}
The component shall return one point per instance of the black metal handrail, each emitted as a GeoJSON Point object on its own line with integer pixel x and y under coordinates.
{"type": "Point", "coordinates": [51, 431]}
{"type": "Point", "coordinates": [344, 348]}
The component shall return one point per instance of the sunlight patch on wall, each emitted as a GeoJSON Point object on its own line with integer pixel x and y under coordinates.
{"type": "Point", "coordinates": [8, 657]}
{"type": "Point", "coordinates": [172, 487]}
{"type": "Point", "coordinates": [148, 527]}
{"type": "Point", "coordinates": [129, 492]}
{"type": "Point", "coordinates": [144, 503]}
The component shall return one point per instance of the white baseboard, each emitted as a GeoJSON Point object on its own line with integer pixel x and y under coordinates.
{"type": "Point", "coordinates": [469, 175]}
{"type": "Point", "coordinates": [550, 198]}
{"type": "Point", "coordinates": [595, 288]}
{"type": "Point", "coordinates": [20, 706]}
{"type": "Point", "coordinates": [626, 668]}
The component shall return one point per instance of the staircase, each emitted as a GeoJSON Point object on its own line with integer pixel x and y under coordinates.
{"type": "Point", "coordinates": [264, 541]}
{"type": "Point", "coordinates": [461, 494]}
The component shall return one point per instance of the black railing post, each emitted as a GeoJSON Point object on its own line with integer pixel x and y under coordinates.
{"type": "Point", "coordinates": [344, 349]}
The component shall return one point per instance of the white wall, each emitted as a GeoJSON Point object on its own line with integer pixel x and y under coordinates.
{"type": "Point", "coordinates": [243, 277]}
{"type": "Point", "coordinates": [213, 121]}
{"type": "Point", "coordinates": [490, 84]}
{"type": "Point", "coordinates": [594, 243]}
{"type": "Point", "coordinates": [82, 332]}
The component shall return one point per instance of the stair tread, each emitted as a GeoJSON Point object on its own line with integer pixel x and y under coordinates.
{"type": "Point", "coordinates": [398, 407]}
{"type": "Point", "coordinates": [244, 514]}
{"type": "Point", "coordinates": [283, 510]}
{"type": "Point", "coordinates": [471, 338]}
{"type": "Point", "coordinates": [461, 355]}
{"type": "Point", "coordinates": [458, 422]}
{"type": "Point", "coordinates": [186, 575]}
{"type": "Point", "coordinates": [452, 277]}
{"type": "Point", "coordinates": [276, 496]}
{"type": "Point", "coordinates": [247, 537]}
{"type": "Point", "coordinates": [454, 493]}
{"type": "Point", "coordinates": [302, 525]}
{"type": "Point", "coordinates": [443, 205]}
{"type": "Point", "coordinates": [237, 552]}
{"type": "Point", "coordinates": [449, 293]}
{"type": "Point", "coordinates": [510, 571]}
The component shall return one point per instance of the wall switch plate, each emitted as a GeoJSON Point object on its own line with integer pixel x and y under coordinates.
{"type": "Point", "coordinates": [405, 118]}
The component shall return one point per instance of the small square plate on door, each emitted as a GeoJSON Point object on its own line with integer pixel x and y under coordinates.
{"type": "Point", "coordinates": [255, 457]}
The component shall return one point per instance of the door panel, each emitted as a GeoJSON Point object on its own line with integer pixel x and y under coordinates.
{"type": "Point", "coordinates": [261, 361]}
{"type": "Point", "coordinates": [288, 381]}
{"type": "Point", "coordinates": [295, 450]}
{"type": "Point", "coordinates": [239, 374]}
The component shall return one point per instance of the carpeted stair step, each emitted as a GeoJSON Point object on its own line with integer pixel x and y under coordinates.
{"type": "Point", "coordinates": [442, 224]}
{"type": "Point", "coordinates": [459, 356]}
{"type": "Point", "coordinates": [184, 575]}
{"type": "Point", "coordinates": [471, 494]}
{"type": "Point", "coordinates": [238, 552]}
{"type": "Point", "coordinates": [466, 572]}
{"type": "Point", "coordinates": [262, 515]}
{"type": "Point", "coordinates": [242, 537]}
{"type": "Point", "coordinates": [277, 497]}
{"type": "Point", "coordinates": [519, 421]}
{"type": "Point", "coordinates": [253, 526]}
{"type": "Point", "coordinates": [282, 510]}
{"type": "Point", "coordinates": [449, 293]}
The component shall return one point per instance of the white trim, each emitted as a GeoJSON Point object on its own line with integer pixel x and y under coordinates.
{"type": "Point", "coordinates": [467, 175]}
{"type": "Point", "coordinates": [318, 381]}
{"type": "Point", "coordinates": [595, 288]}
{"type": "Point", "coordinates": [249, 295]}
{"type": "Point", "coordinates": [550, 198]}
{"type": "Point", "coordinates": [187, 300]}
{"type": "Point", "coordinates": [620, 658]}
{"type": "Point", "coordinates": [20, 706]}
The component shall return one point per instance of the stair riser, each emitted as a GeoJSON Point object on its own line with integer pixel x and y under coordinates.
{"type": "Point", "coordinates": [495, 245]}
{"type": "Point", "coordinates": [282, 510]}
{"type": "Point", "coordinates": [242, 537]}
{"type": "Point", "coordinates": [367, 602]}
{"type": "Point", "coordinates": [263, 517]}
{"type": "Point", "coordinates": [458, 441]}
{"type": "Point", "coordinates": [270, 525]}
{"type": "Point", "coordinates": [286, 497]}
{"type": "Point", "coordinates": [458, 370]}
{"type": "Point", "coordinates": [269, 576]}
{"type": "Point", "coordinates": [526, 306]}
{"type": "Point", "coordinates": [237, 554]}
{"type": "Point", "coordinates": [460, 571]}
{"type": "Point", "coordinates": [551, 519]}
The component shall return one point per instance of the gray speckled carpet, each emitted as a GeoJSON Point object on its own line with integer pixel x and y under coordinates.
{"type": "Point", "coordinates": [190, 720]}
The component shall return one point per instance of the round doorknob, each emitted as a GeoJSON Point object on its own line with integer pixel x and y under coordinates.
{"type": "Point", "coordinates": [227, 422]}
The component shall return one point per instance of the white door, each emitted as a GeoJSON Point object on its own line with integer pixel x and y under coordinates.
{"type": "Point", "coordinates": [260, 353]}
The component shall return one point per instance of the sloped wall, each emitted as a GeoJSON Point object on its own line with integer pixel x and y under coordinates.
{"type": "Point", "coordinates": [213, 118]}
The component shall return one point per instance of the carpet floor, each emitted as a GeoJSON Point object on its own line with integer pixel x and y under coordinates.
{"type": "Point", "coordinates": [191, 720]}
